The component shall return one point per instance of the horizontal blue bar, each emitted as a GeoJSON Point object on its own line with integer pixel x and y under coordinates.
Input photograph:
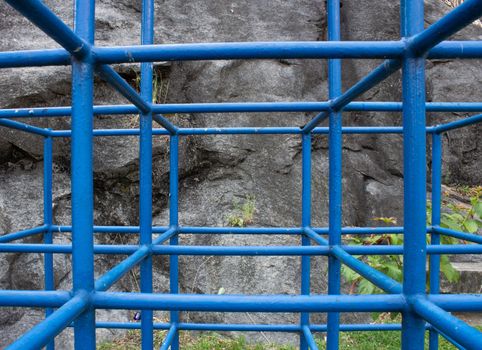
{"type": "Point", "coordinates": [34, 58]}
{"type": "Point", "coordinates": [54, 57]}
{"type": "Point", "coordinates": [273, 50]}
{"type": "Point", "coordinates": [291, 328]}
{"type": "Point", "coordinates": [238, 230]}
{"type": "Point", "coordinates": [238, 131]}
{"type": "Point", "coordinates": [240, 107]}
{"type": "Point", "coordinates": [457, 302]}
{"type": "Point", "coordinates": [458, 123]}
{"type": "Point", "coordinates": [235, 250]}
{"type": "Point", "coordinates": [22, 234]}
{"type": "Point", "coordinates": [249, 303]}
{"type": "Point", "coordinates": [45, 299]}
{"type": "Point", "coordinates": [31, 298]}
{"type": "Point", "coordinates": [249, 50]}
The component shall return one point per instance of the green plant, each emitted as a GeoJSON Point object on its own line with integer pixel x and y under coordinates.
{"type": "Point", "coordinates": [243, 213]}
{"type": "Point", "coordinates": [460, 218]}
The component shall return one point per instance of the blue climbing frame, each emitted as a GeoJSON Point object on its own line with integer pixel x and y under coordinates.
{"type": "Point", "coordinates": [421, 311]}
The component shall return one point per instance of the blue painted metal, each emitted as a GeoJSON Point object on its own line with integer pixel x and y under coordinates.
{"type": "Point", "coordinates": [414, 162]}
{"type": "Point", "coordinates": [305, 222]}
{"type": "Point", "coordinates": [250, 303]}
{"type": "Point", "coordinates": [410, 298]}
{"type": "Point", "coordinates": [174, 223]}
{"type": "Point", "coordinates": [22, 234]}
{"type": "Point", "coordinates": [239, 107]}
{"type": "Point", "coordinates": [44, 332]}
{"type": "Point", "coordinates": [465, 335]}
{"type": "Point", "coordinates": [49, 277]}
{"type": "Point", "coordinates": [435, 236]}
{"type": "Point", "coordinates": [335, 142]}
{"type": "Point", "coordinates": [145, 167]}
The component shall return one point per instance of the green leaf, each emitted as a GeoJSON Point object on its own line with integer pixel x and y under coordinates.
{"type": "Point", "coordinates": [471, 226]}
{"type": "Point", "coordinates": [478, 209]}
{"type": "Point", "coordinates": [448, 270]}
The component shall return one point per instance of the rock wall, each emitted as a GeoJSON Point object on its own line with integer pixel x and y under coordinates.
{"type": "Point", "coordinates": [216, 171]}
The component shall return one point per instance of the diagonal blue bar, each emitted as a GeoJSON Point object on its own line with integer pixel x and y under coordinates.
{"type": "Point", "coordinates": [115, 80]}
{"type": "Point", "coordinates": [41, 334]}
{"type": "Point", "coordinates": [22, 234]}
{"type": "Point", "coordinates": [310, 340]}
{"type": "Point", "coordinates": [170, 337]}
{"type": "Point", "coordinates": [40, 15]}
{"type": "Point", "coordinates": [461, 332]}
{"type": "Point", "coordinates": [458, 123]}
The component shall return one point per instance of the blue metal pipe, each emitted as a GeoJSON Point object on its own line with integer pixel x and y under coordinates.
{"type": "Point", "coordinates": [240, 107]}
{"type": "Point", "coordinates": [290, 328]}
{"type": "Point", "coordinates": [457, 234]}
{"type": "Point", "coordinates": [376, 277]}
{"type": "Point", "coordinates": [82, 183]}
{"type": "Point", "coordinates": [379, 74]}
{"type": "Point", "coordinates": [240, 230]}
{"type": "Point", "coordinates": [235, 251]}
{"type": "Point", "coordinates": [309, 339]}
{"type": "Point", "coordinates": [465, 335]}
{"type": "Point", "coordinates": [250, 303]}
{"type": "Point", "coordinates": [49, 277]}
{"type": "Point", "coordinates": [377, 49]}
{"type": "Point", "coordinates": [171, 336]}
{"type": "Point", "coordinates": [33, 298]}
{"type": "Point", "coordinates": [165, 123]}
{"type": "Point", "coordinates": [44, 332]}
{"type": "Point", "coordinates": [464, 14]}
{"type": "Point", "coordinates": [458, 124]}
{"type": "Point", "coordinates": [335, 142]}
{"type": "Point", "coordinates": [22, 234]}
{"type": "Point", "coordinates": [117, 82]}
{"type": "Point", "coordinates": [414, 163]}
{"type": "Point", "coordinates": [112, 229]}
{"type": "Point", "coordinates": [457, 302]}
{"type": "Point", "coordinates": [34, 58]}
{"type": "Point", "coordinates": [249, 50]}
{"type": "Point", "coordinates": [277, 50]}
{"type": "Point", "coordinates": [174, 223]}
{"type": "Point", "coordinates": [116, 273]}
{"type": "Point", "coordinates": [144, 102]}
{"type": "Point", "coordinates": [434, 262]}
{"type": "Point", "coordinates": [40, 15]}
{"type": "Point", "coordinates": [12, 124]}
{"type": "Point", "coordinates": [305, 222]}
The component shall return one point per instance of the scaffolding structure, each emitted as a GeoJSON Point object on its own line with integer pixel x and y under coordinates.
{"type": "Point", "coordinates": [421, 310]}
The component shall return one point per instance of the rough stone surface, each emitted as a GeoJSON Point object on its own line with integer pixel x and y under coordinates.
{"type": "Point", "coordinates": [218, 171]}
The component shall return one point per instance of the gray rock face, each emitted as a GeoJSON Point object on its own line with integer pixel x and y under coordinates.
{"type": "Point", "coordinates": [217, 171]}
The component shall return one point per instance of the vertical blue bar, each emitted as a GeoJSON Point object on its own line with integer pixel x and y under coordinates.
{"type": "Point", "coordinates": [414, 163]}
{"type": "Point", "coordinates": [305, 222]}
{"type": "Point", "coordinates": [82, 176]}
{"type": "Point", "coordinates": [48, 257]}
{"type": "Point", "coordinates": [335, 176]}
{"type": "Point", "coordinates": [435, 237]}
{"type": "Point", "coordinates": [145, 169]}
{"type": "Point", "coordinates": [174, 222]}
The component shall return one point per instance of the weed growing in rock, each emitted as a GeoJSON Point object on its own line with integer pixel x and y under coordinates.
{"type": "Point", "coordinates": [242, 214]}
